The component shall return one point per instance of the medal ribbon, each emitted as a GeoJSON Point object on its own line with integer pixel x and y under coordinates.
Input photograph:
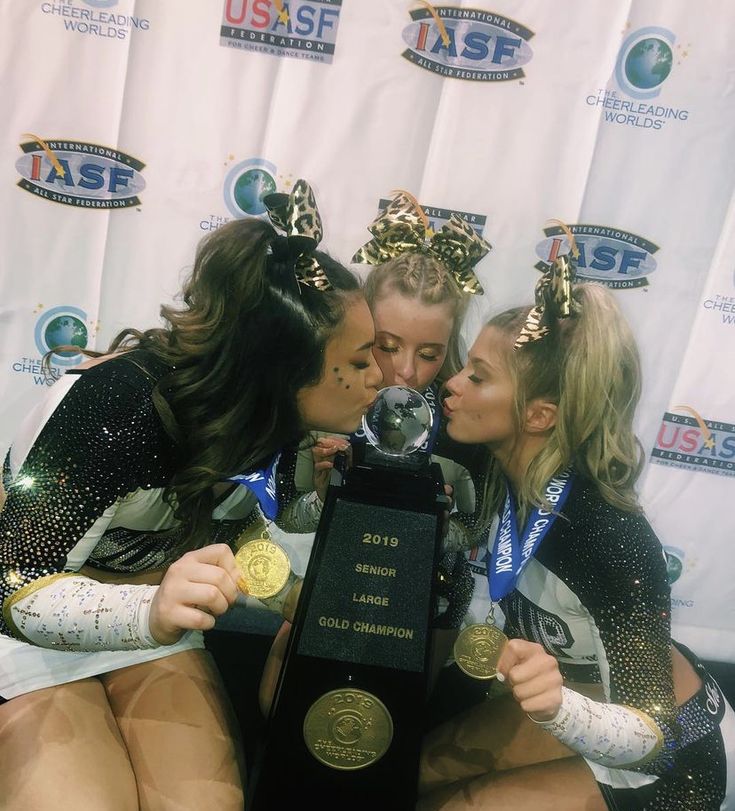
{"type": "Point", "coordinates": [431, 395]}
{"type": "Point", "coordinates": [512, 552]}
{"type": "Point", "coordinates": [262, 483]}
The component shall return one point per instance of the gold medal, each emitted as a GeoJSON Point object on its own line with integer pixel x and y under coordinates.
{"type": "Point", "coordinates": [477, 650]}
{"type": "Point", "coordinates": [265, 568]}
{"type": "Point", "coordinates": [348, 729]}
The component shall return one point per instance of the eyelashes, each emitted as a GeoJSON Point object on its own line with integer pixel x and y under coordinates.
{"type": "Point", "coordinates": [391, 350]}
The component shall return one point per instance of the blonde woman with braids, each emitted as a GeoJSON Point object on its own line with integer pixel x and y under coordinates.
{"type": "Point", "coordinates": [606, 710]}
{"type": "Point", "coordinates": [418, 293]}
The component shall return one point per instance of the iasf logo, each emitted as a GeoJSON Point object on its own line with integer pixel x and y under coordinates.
{"type": "Point", "coordinates": [691, 442]}
{"type": "Point", "coordinates": [58, 326]}
{"type": "Point", "coordinates": [245, 186]}
{"type": "Point", "coordinates": [438, 216]}
{"type": "Point", "coordinates": [76, 173]}
{"type": "Point", "coordinates": [94, 19]}
{"type": "Point", "coordinates": [467, 43]}
{"type": "Point", "coordinates": [617, 258]}
{"type": "Point", "coordinates": [302, 28]}
{"type": "Point", "coordinates": [644, 63]}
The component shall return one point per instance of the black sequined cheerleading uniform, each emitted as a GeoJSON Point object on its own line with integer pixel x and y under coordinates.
{"type": "Point", "coordinates": [84, 480]}
{"type": "Point", "coordinates": [596, 596]}
{"type": "Point", "coordinates": [464, 467]}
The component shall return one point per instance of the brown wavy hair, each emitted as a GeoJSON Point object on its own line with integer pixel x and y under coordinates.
{"type": "Point", "coordinates": [244, 340]}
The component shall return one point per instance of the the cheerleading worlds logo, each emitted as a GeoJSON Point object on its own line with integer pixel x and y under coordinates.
{"type": "Point", "coordinates": [96, 18]}
{"type": "Point", "coordinates": [643, 65]}
{"type": "Point", "coordinates": [467, 43]}
{"type": "Point", "coordinates": [616, 258]}
{"type": "Point", "coordinates": [688, 441]}
{"type": "Point", "coordinates": [438, 216]}
{"type": "Point", "coordinates": [77, 173]}
{"type": "Point", "coordinates": [306, 29]}
{"type": "Point", "coordinates": [58, 326]}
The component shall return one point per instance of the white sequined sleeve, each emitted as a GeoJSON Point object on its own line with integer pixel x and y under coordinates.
{"type": "Point", "coordinates": [612, 735]}
{"type": "Point", "coordinates": [75, 613]}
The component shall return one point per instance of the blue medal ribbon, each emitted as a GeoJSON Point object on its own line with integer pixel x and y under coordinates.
{"type": "Point", "coordinates": [431, 395]}
{"type": "Point", "coordinates": [262, 483]}
{"type": "Point", "coordinates": [512, 552]}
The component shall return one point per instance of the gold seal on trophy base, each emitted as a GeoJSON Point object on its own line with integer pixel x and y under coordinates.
{"type": "Point", "coordinates": [265, 568]}
{"type": "Point", "coordinates": [348, 729]}
{"type": "Point", "coordinates": [477, 650]}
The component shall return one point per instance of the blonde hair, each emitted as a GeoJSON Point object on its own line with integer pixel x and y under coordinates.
{"type": "Point", "coordinates": [418, 276]}
{"type": "Point", "coordinates": [590, 368]}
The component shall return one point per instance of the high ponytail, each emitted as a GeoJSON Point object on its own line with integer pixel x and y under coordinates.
{"type": "Point", "coordinates": [588, 365]}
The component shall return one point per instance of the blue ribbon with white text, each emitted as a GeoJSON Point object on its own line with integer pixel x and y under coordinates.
{"type": "Point", "coordinates": [262, 483]}
{"type": "Point", "coordinates": [512, 552]}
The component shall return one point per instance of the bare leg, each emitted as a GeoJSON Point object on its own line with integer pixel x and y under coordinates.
{"type": "Point", "coordinates": [561, 785]}
{"type": "Point", "coordinates": [180, 732]}
{"type": "Point", "coordinates": [62, 751]}
{"type": "Point", "coordinates": [489, 737]}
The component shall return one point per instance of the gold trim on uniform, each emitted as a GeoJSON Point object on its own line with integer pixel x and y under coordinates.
{"type": "Point", "coordinates": [654, 727]}
{"type": "Point", "coordinates": [26, 591]}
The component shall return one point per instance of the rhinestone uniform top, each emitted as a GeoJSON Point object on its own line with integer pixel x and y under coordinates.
{"type": "Point", "coordinates": [597, 597]}
{"type": "Point", "coordinates": [104, 444]}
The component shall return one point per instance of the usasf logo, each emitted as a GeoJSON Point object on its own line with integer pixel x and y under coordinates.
{"type": "Point", "coordinates": [616, 258]}
{"type": "Point", "coordinates": [437, 217]}
{"type": "Point", "coordinates": [691, 442]}
{"type": "Point", "coordinates": [467, 43]}
{"type": "Point", "coordinates": [76, 173]}
{"type": "Point", "coordinates": [306, 29]}
{"type": "Point", "coordinates": [644, 63]}
{"type": "Point", "coordinates": [65, 325]}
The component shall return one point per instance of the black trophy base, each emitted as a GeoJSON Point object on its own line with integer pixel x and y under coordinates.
{"type": "Point", "coordinates": [348, 716]}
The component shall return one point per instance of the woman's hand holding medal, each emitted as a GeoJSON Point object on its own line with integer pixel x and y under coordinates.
{"type": "Point", "coordinates": [199, 586]}
{"type": "Point", "coordinates": [534, 677]}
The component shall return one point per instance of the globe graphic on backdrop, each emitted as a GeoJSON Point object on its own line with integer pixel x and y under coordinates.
{"type": "Point", "coordinates": [250, 188]}
{"type": "Point", "coordinates": [648, 63]}
{"type": "Point", "coordinates": [398, 423]}
{"type": "Point", "coordinates": [65, 329]}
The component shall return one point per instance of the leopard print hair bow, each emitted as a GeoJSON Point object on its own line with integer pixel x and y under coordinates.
{"type": "Point", "coordinates": [553, 294]}
{"type": "Point", "coordinates": [403, 227]}
{"type": "Point", "coordinates": [298, 217]}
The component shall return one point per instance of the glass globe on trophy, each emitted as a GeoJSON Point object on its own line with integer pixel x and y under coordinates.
{"type": "Point", "coordinates": [399, 422]}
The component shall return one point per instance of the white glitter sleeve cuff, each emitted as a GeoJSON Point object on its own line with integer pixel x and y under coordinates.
{"type": "Point", "coordinates": [612, 735]}
{"type": "Point", "coordinates": [71, 612]}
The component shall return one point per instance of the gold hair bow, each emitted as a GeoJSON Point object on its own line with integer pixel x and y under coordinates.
{"type": "Point", "coordinates": [403, 227]}
{"type": "Point", "coordinates": [298, 217]}
{"type": "Point", "coordinates": [553, 293]}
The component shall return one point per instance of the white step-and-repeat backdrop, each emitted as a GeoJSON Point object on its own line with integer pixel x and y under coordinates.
{"type": "Point", "coordinates": [131, 128]}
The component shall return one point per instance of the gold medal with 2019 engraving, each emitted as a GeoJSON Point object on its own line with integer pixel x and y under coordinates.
{"type": "Point", "coordinates": [477, 650]}
{"type": "Point", "coordinates": [264, 567]}
{"type": "Point", "coordinates": [348, 729]}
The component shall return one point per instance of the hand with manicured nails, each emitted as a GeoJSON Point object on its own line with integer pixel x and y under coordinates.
{"type": "Point", "coordinates": [533, 676]}
{"type": "Point", "coordinates": [199, 586]}
{"type": "Point", "coordinates": [323, 454]}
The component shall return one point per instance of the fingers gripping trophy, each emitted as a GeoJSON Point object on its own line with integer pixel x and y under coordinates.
{"type": "Point", "coordinates": [346, 720]}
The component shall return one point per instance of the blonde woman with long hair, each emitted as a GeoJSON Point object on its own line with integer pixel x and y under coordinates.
{"type": "Point", "coordinates": [606, 710]}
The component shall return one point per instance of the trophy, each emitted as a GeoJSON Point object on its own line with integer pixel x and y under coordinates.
{"type": "Point", "coordinates": [347, 717]}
